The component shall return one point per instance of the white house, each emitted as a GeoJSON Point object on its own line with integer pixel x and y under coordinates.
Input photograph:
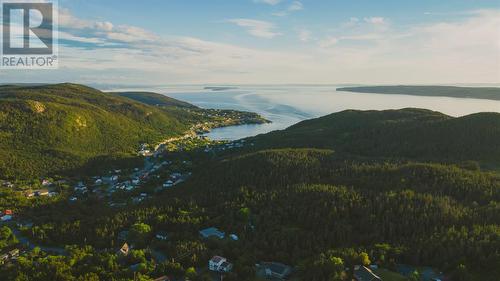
{"type": "Point", "coordinates": [6, 218]}
{"type": "Point", "coordinates": [219, 264]}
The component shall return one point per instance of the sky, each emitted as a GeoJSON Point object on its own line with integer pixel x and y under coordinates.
{"type": "Point", "coordinates": [159, 42]}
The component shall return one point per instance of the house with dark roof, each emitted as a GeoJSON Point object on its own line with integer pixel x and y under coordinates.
{"type": "Point", "coordinates": [275, 270]}
{"type": "Point", "coordinates": [363, 273]}
{"type": "Point", "coordinates": [212, 232]}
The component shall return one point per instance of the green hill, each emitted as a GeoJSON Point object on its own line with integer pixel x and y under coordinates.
{"type": "Point", "coordinates": [349, 188]}
{"type": "Point", "coordinates": [52, 128]}
{"type": "Point", "coordinates": [154, 99]}
{"type": "Point", "coordinates": [489, 93]}
{"type": "Point", "coordinates": [308, 204]}
{"type": "Point", "coordinates": [407, 133]}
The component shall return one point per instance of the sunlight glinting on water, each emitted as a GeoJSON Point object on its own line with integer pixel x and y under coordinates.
{"type": "Point", "coordinates": [287, 105]}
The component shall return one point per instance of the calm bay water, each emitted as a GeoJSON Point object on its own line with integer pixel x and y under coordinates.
{"type": "Point", "coordinates": [287, 105]}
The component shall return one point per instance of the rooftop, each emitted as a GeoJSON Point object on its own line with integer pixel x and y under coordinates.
{"type": "Point", "coordinates": [276, 267]}
{"type": "Point", "coordinates": [365, 274]}
{"type": "Point", "coordinates": [217, 259]}
{"type": "Point", "coordinates": [212, 231]}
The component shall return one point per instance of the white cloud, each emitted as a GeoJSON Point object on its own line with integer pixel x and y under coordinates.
{"type": "Point", "coordinates": [293, 7]}
{"type": "Point", "coordinates": [257, 28]}
{"type": "Point", "coordinates": [461, 50]}
{"type": "Point", "coordinates": [269, 2]}
{"type": "Point", "coordinates": [328, 42]}
{"type": "Point", "coordinates": [304, 35]}
{"type": "Point", "coordinates": [375, 20]}
{"type": "Point", "coordinates": [465, 49]}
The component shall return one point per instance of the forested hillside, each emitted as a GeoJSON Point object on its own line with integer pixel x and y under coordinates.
{"type": "Point", "coordinates": [51, 128]}
{"type": "Point", "coordinates": [308, 207]}
{"type": "Point", "coordinates": [305, 202]}
{"type": "Point", "coordinates": [408, 133]}
{"type": "Point", "coordinates": [154, 99]}
{"type": "Point", "coordinates": [345, 189]}
{"type": "Point", "coordinates": [489, 93]}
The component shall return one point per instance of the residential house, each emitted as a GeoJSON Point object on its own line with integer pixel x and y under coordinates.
{"type": "Point", "coordinates": [124, 250]}
{"type": "Point", "coordinates": [36, 193]}
{"type": "Point", "coordinates": [42, 192]}
{"type": "Point", "coordinates": [212, 232]}
{"type": "Point", "coordinates": [161, 235]}
{"type": "Point", "coordinates": [80, 188]}
{"type": "Point", "coordinates": [46, 182]}
{"type": "Point", "coordinates": [275, 270]}
{"type": "Point", "coordinates": [219, 264]}
{"type": "Point", "coordinates": [6, 218]}
{"type": "Point", "coordinates": [363, 273]}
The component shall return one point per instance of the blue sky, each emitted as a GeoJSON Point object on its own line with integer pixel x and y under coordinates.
{"type": "Point", "coordinates": [273, 41]}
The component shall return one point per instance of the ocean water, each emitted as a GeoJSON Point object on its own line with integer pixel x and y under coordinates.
{"type": "Point", "coordinates": [287, 105]}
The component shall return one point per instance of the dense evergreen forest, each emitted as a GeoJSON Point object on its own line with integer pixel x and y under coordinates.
{"type": "Point", "coordinates": [358, 187]}
{"type": "Point", "coordinates": [399, 134]}
{"type": "Point", "coordinates": [304, 207]}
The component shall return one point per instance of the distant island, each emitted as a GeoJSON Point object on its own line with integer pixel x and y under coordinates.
{"type": "Point", "coordinates": [221, 88]}
{"type": "Point", "coordinates": [488, 93]}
